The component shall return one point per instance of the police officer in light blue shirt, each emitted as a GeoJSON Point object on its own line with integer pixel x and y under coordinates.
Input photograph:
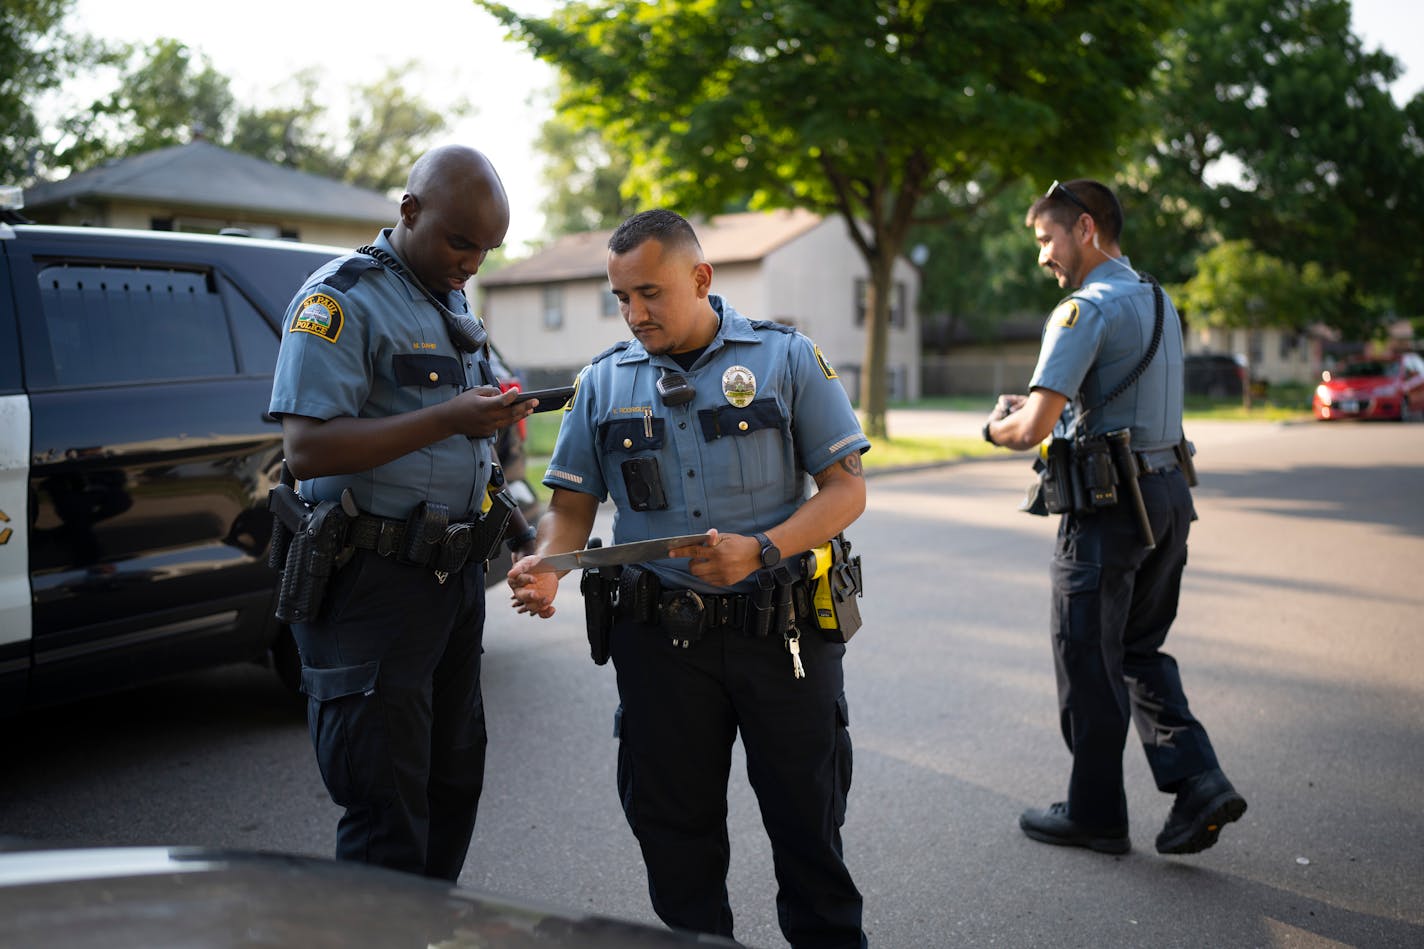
{"type": "Point", "coordinates": [710, 422]}
{"type": "Point", "coordinates": [379, 389]}
{"type": "Point", "coordinates": [1113, 349]}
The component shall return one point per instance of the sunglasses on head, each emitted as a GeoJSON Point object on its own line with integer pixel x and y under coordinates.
{"type": "Point", "coordinates": [1059, 190]}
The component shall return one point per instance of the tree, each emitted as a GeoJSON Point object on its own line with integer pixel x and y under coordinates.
{"type": "Point", "coordinates": [584, 175]}
{"type": "Point", "coordinates": [36, 57]}
{"type": "Point", "coordinates": [1237, 286]}
{"type": "Point", "coordinates": [1277, 128]}
{"type": "Point", "coordinates": [165, 97]}
{"type": "Point", "coordinates": [859, 108]}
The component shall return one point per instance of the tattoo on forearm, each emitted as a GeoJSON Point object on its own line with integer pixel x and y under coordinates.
{"type": "Point", "coordinates": [852, 466]}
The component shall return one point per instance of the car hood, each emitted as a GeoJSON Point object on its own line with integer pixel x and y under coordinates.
{"type": "Point", "coordinates": [153, 897]}
{"type": "Point", "coordinates": [1358, 383]}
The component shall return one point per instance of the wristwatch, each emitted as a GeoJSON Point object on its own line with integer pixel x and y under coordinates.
{"type": "Point", "coordinates": [987, 437]}
{"type": "Point", "coordinates": [770, 553]}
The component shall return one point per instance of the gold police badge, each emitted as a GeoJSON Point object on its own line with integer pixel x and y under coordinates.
{"type": "Point", "coordinates": [739, 386]}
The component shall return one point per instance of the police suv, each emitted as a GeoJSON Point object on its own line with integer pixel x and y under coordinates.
{"type": "Point", "coordinates": [136, 454]}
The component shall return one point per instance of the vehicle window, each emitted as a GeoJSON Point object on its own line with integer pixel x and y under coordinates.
{"type": "Point", "coordinates": [1369, 368]}
{"type": "Point", "coordinates": [114, 323]}
{"type": "Point", "coordinates": [256, 340]}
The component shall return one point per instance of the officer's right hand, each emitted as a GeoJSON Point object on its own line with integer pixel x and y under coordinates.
{"type": "Point", "coordinates": [1007, 405]}
{"type": "Point", "coordinates": [533, 593]}
{"type": "Point", "coordinates": [482, 411]}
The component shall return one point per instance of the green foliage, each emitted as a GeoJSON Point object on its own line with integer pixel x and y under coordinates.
{"type": "Point", "coordinates": [36, 59]}
{"type": "Point", "coordinates": [1329, 166]}
{"type": "Point", "coordinates": [584, 175]}
{"type": "Point", "coordinates": [860, 108]}
{"type": "Point", "coordinates": [1239, 287]}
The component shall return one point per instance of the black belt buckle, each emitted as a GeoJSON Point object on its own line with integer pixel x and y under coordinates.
{"type": "Point", "coordinates": [682, 614]}
{"type": "Point", "coordinates": [454, 550]}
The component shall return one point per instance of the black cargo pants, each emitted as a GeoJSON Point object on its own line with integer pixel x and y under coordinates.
{"type": "Point", "coordinates": [681, 709]}
{"type": "Point", "coordinates": [1113, 603]}
{"type": "Point", "coordinates": [392, 676]}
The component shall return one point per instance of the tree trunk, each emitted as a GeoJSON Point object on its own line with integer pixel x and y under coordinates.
{"type": "Point", "coordinates": [874, 388]}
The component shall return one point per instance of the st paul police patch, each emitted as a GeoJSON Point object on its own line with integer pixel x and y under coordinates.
{"type": "Point", "coordinates": [1066, 315]}
{"type": "Point", "coordinates": [319, 315]}
{"type": "Point", "coordinates": [826, 369]}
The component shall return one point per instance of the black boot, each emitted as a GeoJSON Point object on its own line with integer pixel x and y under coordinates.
{"type": "Point", "coordinates": [1054, 826]}
{"type": "Point", "coordinates": [1204, 804]}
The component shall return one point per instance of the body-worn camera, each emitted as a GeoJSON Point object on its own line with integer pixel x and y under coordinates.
{"type": "Point", "coordinates": [643, 479]}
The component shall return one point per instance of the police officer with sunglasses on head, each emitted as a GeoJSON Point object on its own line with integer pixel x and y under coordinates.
{"type": "Point", "coordinates": [1119, 470]}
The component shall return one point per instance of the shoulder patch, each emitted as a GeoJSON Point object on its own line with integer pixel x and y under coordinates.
{"type": "Point", "coordinates": [771, 325]}
{"type": "Point", "coordinates": [319, 315]}
{"type": "Point", "coordinates": [1066, 314]}
{"type": "Point", "coordinates": [829, 372]}
{"type": "Point", "coordinates": [615, 348]}
{"type": "Point", "coordinates": [350, 272]}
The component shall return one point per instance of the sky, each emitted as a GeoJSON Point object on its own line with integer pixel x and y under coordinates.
{"type": "Point", "coordinates": [463, 52]}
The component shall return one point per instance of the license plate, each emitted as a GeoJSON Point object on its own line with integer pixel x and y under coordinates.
{"type": "Point", "coordinates": [1349, 406]}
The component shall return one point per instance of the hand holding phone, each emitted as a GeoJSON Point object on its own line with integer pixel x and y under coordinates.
{"type": "Point", "coordinates": [549, 399]}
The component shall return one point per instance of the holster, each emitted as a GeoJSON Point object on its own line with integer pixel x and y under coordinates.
{"type": "Point", "coordinates": [313, 555]}
{"type": "Point", "coordinates": [489, 530]}
{"type": "Point", "coordinates": [599, 586]}
{"type": "Point", "coordinates": [835, 592]}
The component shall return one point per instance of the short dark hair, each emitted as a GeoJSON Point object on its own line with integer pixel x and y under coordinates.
{"type": "Point", "coordinates": [1081, 193]}
{"type": "Point", "coordinates": [666, 227]}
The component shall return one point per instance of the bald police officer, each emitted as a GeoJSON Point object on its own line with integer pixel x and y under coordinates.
{"type": "Point", "coordinates": [710, 421]}
{"type": "Point", "coordinates": [383, 392]}
{"type": "Point", "coordinates": [1113, 348]}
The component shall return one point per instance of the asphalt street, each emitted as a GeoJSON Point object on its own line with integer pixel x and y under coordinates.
{"type": "Point", "coordinates": [1299, 638]}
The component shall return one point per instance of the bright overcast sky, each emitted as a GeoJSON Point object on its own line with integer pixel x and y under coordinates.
{"type": "Point", "coordinates": [259, 44]}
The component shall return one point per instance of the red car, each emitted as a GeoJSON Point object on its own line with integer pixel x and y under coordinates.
{"type": "Point", "coordinates": [1386, 388]}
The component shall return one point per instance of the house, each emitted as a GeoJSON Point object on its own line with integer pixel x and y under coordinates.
{"type": "Point", "coordinates": [552, 312]}
{"type": "Point", "coordinates": [202, 188]}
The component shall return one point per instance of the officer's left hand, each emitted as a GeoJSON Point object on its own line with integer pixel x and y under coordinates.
{"type": "Point", "coordinates": [724, 559]}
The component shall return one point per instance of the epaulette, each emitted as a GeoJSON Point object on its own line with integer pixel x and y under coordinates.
{"type": "Point", "coordinates": [771, 325]}
{"type": "Point", "coordinates": [615, 348]}
{"type": "Point", "coordinates": [350, 272]}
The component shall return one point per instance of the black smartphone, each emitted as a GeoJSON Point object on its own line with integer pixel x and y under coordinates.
{"type": "Point", "coordinates": [549, 399]}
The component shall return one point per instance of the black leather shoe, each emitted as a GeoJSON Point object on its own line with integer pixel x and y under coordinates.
{"type": "Point", "coordinates": [1204, 805]}
{"type": "Point", "coordinates": [1053, 826]}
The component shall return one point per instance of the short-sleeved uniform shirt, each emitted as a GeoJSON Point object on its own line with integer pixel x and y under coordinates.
{"type": "Point", "coordinates": [768, 409]}
{"type": "Point", "coordinates": [1096, 337]}
{"type": "Point", "coordinates": [360, 340]}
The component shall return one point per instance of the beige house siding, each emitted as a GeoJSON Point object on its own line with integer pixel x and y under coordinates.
{"type": "Point", "coordinates": [1276, 356]}
{"type": "Point", "coordinates": [209, 221]}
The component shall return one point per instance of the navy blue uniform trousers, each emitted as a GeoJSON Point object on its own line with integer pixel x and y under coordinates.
{"type": "Point", "coordinates": [392, 676]}
{"type": "Point", "coordinates": [1113, 603]}
{"type": "Point", "coordinates": [681, 709]}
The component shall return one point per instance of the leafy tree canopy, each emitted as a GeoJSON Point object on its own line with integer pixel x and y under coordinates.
{"type": "Point", "coordinates": [855, 107]}
{"type": "Point", "coordinates": [1277, 127]}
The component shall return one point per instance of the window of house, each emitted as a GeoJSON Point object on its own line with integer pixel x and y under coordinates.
{"type": "Point", "coordinates": [609, 303]}
{"type": "Point", "coordinates": [112, 324]}
{"type": "Point", "coordinates": [553, 307]}
{"type": "Point", "coordinates": [897, 303]}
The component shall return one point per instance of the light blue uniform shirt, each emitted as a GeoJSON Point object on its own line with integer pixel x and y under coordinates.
{"type": "Point", "coordinates": [364, 342]}
{"type": "Point", "coordinates": [740, 470]}
{"type": "Point", "coordinates": [1096, 337]}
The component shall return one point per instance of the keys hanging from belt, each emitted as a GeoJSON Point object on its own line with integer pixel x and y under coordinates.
{"type": "Point", "coordinates": [793, 646]}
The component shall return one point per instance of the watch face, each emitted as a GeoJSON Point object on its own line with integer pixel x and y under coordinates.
{"type": "Point", "coordinates": [770, 555]}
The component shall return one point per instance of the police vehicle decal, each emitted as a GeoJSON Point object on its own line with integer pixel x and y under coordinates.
{"type": "Point", "coordinates": [14, 519]}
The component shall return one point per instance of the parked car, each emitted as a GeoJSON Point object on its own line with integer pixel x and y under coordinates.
{"type": "Point", "coordinates": [1386, 388]}
{"type": "Point", "coordinates": [1214, 375]}
{"type": "Point", "coordinates": [162, 897]}
{"type": "Point", "coordinates": [136, 455]}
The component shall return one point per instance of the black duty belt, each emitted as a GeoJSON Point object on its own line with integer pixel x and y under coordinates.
{"type": "Point", "coordinates": [386, 536]}
{"type": "Point", "coordinates": [1158, 459]}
